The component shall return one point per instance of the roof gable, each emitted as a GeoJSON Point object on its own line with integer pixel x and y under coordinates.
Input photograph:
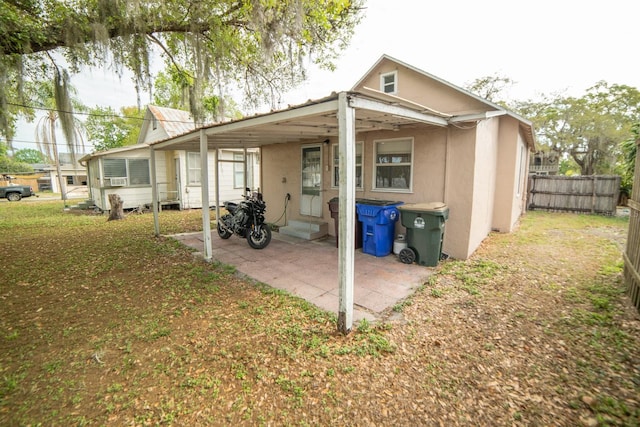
{"type": "Point", "coordinates": [161, 122]}
{"type": "Point", "coordinates": [432, 93]}
{"type": "Point", "coordinates": [423, 88]}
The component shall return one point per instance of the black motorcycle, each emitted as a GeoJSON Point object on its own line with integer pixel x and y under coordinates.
{"type": "Point", "coordinates": [246, 219]}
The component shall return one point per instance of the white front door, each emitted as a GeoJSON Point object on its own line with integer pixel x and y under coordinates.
{"type": "Point", "coordinates": [176, 180]}
{"type": "Point", "coordinates": [311, 179]}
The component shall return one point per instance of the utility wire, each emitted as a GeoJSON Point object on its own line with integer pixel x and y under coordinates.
{"type": "Point", "coordinates": [92, 114]}
{"type": "Point", "coordinates": [22, 141]}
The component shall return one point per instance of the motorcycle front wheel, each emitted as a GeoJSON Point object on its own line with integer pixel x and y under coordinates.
{"type": "Point", "coordinates": [223, 232]}
{"type": "Point", "coordinates": [259, 239]}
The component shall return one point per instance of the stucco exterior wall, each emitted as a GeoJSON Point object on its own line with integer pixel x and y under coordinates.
{"type": "Point", "coordinates": [486, 154]}
{"type": "Point", "coordinates": [459, 191]}
{"type": "Point", "coordinates": [283, 163]}
{"type": "Point", "coordinates": [281, 175]}
{"type": "Point", "coordinates": [454, 166]}
{"type": "Point", "coordinates": [508, 194]}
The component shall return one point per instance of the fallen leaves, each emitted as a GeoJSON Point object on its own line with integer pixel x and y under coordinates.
{"type": "Point", "coordinates": [512, 339]}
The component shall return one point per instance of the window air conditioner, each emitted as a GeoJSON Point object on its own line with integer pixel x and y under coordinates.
{"type": "Point", "coordinates": [118, 182]}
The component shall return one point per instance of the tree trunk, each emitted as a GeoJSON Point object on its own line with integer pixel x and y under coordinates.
{"type": "Point", "coordinates": [116, 207]}
{"type": "Point", "coordinates": [56, 158]}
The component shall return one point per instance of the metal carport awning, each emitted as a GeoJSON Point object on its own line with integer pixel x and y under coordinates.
{"type": "Point", "coordinates": [341, 115]}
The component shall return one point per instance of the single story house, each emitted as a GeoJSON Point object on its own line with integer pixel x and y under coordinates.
{"type": "Point", "coordinates": [400, 134]}
{"type": "Point", "coordinates": [126, 170]}
{"type": "Point", "coordinates": [74, 177]}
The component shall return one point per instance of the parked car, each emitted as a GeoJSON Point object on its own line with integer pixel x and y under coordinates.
{"type": "Point", "coordinates": [13, 193]}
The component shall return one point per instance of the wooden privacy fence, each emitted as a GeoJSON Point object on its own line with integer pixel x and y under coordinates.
{"type": "Point", "coordinates": [597, 194]}
{"type": "Point", "coordinates": [632, 251]}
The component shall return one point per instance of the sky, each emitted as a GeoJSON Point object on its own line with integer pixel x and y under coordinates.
{"type": "Point", "coordinates": [544, 46]}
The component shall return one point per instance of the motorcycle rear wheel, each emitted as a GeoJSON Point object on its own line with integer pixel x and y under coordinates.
{"type": "Point", "coordinates": [259, 239]}
{"type": "Point", "coordinates": [223, 232]}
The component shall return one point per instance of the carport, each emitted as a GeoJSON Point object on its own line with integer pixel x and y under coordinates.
{"type": "Point", "coordinates": [340, 115]}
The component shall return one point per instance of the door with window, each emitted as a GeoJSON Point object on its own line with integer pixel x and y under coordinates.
{"type": "Point", "coordinates": [311, 179]}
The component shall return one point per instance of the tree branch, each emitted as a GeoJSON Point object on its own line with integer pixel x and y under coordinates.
{"type": "Point", "coordinates": [155, 40]}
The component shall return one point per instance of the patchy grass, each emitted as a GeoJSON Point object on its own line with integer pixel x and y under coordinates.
{"type": "Point", "coordinates": [104, 324]}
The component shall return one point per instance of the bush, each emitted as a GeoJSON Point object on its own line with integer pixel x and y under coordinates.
{"type": "Point", "coordinates": [8, 165]}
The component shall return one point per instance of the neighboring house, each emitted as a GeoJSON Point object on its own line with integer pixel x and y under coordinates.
{"type": "Point", "coordinates": [127, 170]}
{"type": "Point", "coordinates": [544, 163]}
{"type": "Point", "coordinates": [416, 138]}
{"type": "Point", "coordinates": [74, 176]}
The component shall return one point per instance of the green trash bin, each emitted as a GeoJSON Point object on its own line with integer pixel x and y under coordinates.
{"type": "Point", "coordinates": [425, 231]}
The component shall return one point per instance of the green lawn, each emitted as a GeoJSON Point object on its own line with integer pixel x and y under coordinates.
{"type": "Point", "coordinates": [104, 324]}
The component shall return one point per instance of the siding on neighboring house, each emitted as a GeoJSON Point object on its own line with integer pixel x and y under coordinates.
{"type": "Point", "coordinates": [132, 196]}
{"type": "Point", "coordinates": [173, 185]}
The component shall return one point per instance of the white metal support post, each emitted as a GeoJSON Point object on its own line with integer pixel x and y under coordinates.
{"type": "Point", "coordinates": [346, 211]}
{"type": "Point", "coordinates": [154, 192]}
{"type": "Point", "coordinates": [244, 158]}
{"type": "Point", "coordinates": [216, 169]}
{"type": "Point", "coordinates": [204, 183]}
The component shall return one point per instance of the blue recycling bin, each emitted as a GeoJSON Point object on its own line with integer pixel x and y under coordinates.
{"type": "Point", "coordinates": [378, 219]}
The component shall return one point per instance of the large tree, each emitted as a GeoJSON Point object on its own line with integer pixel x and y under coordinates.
{"type": "Point", "coordinates": [590, 128]}
{"type": "Point", "coordinates": [492, 88]}
{"type": "Point", "coordinates": [173, 89]}
{"type": "Point", "coordinates": [11, 165]}
{"type": "Point", "coordinates": [107, 129]}
{"type": "Point", "coordinates": [262, 46]}
{"type": "Point", "coordinates": [627, 166]}
{"type": "Point", "coordinates": [29, 156]}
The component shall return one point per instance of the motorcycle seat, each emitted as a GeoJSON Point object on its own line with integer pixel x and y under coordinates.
{"type": "Point", "coordinates": [231, 207]}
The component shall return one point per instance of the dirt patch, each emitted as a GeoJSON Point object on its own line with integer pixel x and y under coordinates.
{"type": "Point", "coordinates": [103, 324]}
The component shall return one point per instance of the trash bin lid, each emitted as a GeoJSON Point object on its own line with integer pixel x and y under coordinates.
{"type": "Point", "coordinates": [377, 202]}
{"type": "Point", "coordinates": [424, 207]}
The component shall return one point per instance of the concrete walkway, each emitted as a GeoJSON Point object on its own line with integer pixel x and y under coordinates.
{"type": "Point", "coordinates": [309, 269]}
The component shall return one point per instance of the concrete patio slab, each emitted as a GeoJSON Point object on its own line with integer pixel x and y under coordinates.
{"type": "Point", "coordinates": [309, 270]}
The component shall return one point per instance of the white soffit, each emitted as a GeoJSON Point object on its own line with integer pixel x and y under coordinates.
{"type": "Point", "coordinates": [316, 120]}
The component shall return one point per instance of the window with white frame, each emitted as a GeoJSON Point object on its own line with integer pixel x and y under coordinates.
{"type": "Point", "coordinates": [393, 164]}
{"type": "Point", "coordinates": [389, 82]}
{"type": "Point", "coordinates": [135, 170]}
{"type": "Point", "coordinates": [114, 168]}
{"type": "Point", "coordinates": [193, 168]}
{"type": "Point", "coordinates": [336, 160]}
{"type": "Point", "coordinates": [238, 170]}
{"type": "Point", "coordinates": [139, 172]}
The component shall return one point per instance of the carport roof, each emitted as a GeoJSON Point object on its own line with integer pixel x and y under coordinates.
{"type": "Point", "coordinates": [317, 120]}
{"type": "Point", "coordinates": [314, 120]}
